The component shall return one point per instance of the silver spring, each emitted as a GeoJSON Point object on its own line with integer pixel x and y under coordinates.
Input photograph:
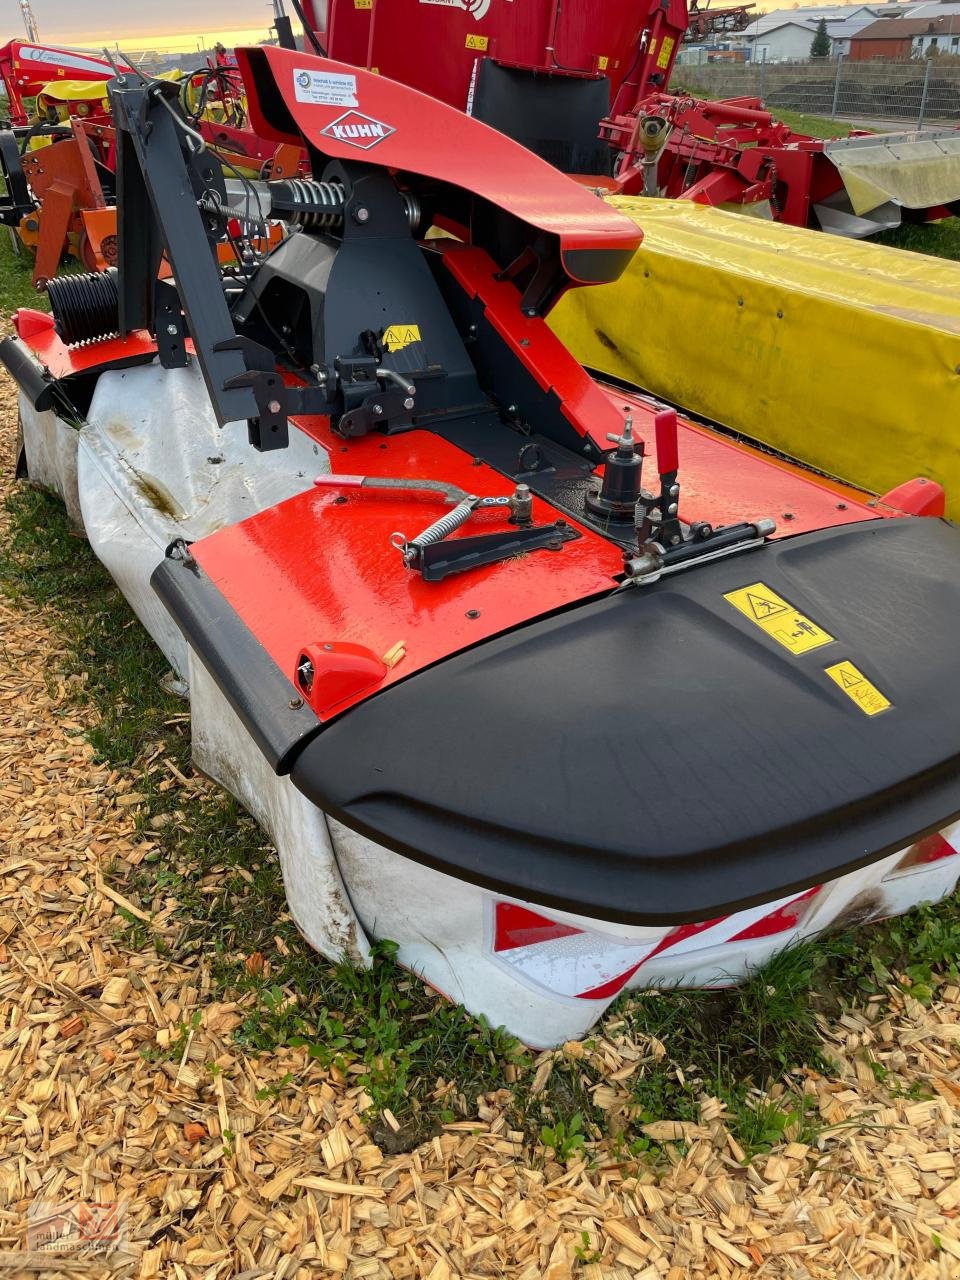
{"type": "Point", "coordinates": [436, 532]}
{"type": "Point", "coordinates": [329, 195]}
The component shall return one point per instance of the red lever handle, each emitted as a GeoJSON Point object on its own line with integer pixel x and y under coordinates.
{"type": "Point", "coordinates": [665, 425]}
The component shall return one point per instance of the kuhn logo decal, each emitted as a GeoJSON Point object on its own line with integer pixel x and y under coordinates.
{"type": "Point", "coordinates": [358, 130]}
{"type": "Point", "coordinates": [476, 8]}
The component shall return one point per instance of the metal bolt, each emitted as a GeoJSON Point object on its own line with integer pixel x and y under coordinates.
{"type": "Point", "coordinates": [172, 330]}
{"type": "Point", "coordinates": [361, 215]}
{"type": "Point", "coordinates": [788, 515]}
{"type": "Point", "coordinates": [739, 302]}
{"type": "Point", "coordinates": [378, 409]}
{"type": "Point", "coordinates": [408, 403]}
{"type": "Point", "coordinates": [274, 406]}
{"type": "Point", "coordinates": [779, 315]}
{"type": "Point", "coordinates": [472, 613]}
{"type": "Point", "coordinates": [328, 648]}
{"type": "Point", "coordinates": [841, 506]}
{"type": "Point", "coordinates": [295, 704]}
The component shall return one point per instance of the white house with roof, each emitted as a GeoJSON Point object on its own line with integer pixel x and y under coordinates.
{"type": "Point", "coordinates": [785, 35]}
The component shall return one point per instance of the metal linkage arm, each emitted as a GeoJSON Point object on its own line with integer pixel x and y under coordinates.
{"type": "Point", "coordinates": [160, 182]}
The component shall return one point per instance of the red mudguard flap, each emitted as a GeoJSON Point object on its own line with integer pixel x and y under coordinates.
{"type": "Point", "coordinates": [36, 330]}
{"type": "Point", "coordinates": [350, 114]}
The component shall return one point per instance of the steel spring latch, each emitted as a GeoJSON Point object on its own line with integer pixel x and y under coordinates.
{"type": "Point", "coordinates": [410, 548]}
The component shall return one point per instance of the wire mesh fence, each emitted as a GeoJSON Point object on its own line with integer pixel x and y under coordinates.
{"type": "Point", "coordinates": [914, 92]}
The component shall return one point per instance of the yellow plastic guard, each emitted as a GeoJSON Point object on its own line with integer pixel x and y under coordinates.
{"type": "Point", "coordinates": [842, 354]}
{"type": "Point", "coordinates": [912, 170]}
{"type": "Point", "coordinates": [75, 90]}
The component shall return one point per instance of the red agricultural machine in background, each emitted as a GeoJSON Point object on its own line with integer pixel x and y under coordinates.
{"type": "Point", "coordinates": [587, 88]}
{"type": "Point", "coordinates": [58, 155]}
{"type": "Point", "coordinates": [34, 72]}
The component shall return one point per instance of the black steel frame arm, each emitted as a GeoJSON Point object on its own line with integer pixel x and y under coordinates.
{"type": "Point", "coordinates": [163, 173]}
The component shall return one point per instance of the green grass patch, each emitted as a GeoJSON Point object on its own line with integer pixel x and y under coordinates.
{"type": "Point", "coordinates": [939, 239]}
{"type": "Point", "coordinates": [16, 277]}
{"type": "Point", "coordinates": [812, 126]}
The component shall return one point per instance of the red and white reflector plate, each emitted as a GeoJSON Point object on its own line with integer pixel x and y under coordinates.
{"type": "Point", "coordinates": [585, 965]}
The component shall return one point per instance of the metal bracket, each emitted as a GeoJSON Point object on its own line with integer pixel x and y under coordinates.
{"type": "Point", "coordinates": [270, 428]}
{"type": "Point", "coordinates": [171, 327]}
{"type": "Point", "coordinates": [384, 409]}
{"type": "Point", "coordinates": [438, 561]}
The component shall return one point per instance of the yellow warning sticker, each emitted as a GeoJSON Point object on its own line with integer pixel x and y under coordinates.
{"type": "Point", "coordinates": [363, 4]}
{"type": "Point", "coordinates": [602, 63]}
{"type": "Point", "coordinates": [856, 686]}
{"type": "Point", "coordinates": [666, 48]}
{"type": "Point", "coordinates": [478, 42]}
{"type": "Point", "coordinates": [398, 336]}
{"type": "Point", "coordinates": [778, 618]}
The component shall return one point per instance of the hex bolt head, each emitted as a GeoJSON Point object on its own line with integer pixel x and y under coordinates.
{"type": "Point", "coordinates": [172, 330]}
{"type": "Point", "coordinates": [274, 406]}
{"type": "Point", "coordinates": [361, 215]}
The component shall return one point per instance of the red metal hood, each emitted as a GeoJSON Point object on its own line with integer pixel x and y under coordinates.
{"type": "Point", "coordinates": [350, 114]}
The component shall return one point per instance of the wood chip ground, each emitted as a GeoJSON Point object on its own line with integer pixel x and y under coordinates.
{"type": "Point", "coordinates": [221, 1177]}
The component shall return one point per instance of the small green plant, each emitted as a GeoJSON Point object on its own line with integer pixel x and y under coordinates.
{"type": "Point", "coordinates": [586, 1254]}
{"type": "Point", "coordinates": [565, 1138]}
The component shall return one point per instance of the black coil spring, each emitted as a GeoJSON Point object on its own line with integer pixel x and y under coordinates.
{"type": "Point", "coordinates": [85, 307]}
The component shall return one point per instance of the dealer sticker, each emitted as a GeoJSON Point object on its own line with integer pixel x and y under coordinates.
{"type": "Point", "coordinates": [326, 88]}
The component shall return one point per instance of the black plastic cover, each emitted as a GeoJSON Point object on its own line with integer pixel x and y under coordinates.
{"type": "Point", "coordinates": [654, 757]}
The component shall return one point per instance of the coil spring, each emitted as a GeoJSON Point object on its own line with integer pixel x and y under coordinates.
{"type": "Point", "coordinates": [318, 206]}
{"type": "Point", "coordinates": [435, 532]}
{"type": "Point", "coordinates": [86, 307]}
{"type": "Point", "coordinates": [329, 196]}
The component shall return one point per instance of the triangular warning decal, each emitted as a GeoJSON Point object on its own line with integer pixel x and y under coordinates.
{"type": "Point", "coordinates": [850, 677]}
{"type": "Point", "coordinates": [764, 608]}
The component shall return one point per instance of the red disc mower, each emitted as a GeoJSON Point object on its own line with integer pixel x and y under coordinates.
{"type": "Point", "coordinates": [518, 670]}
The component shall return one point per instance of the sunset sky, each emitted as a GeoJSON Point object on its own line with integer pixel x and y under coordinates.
{"type": "Point", "coordinates": [154, 24]}
{"type": "Point", "coordinates": [95, 22]}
